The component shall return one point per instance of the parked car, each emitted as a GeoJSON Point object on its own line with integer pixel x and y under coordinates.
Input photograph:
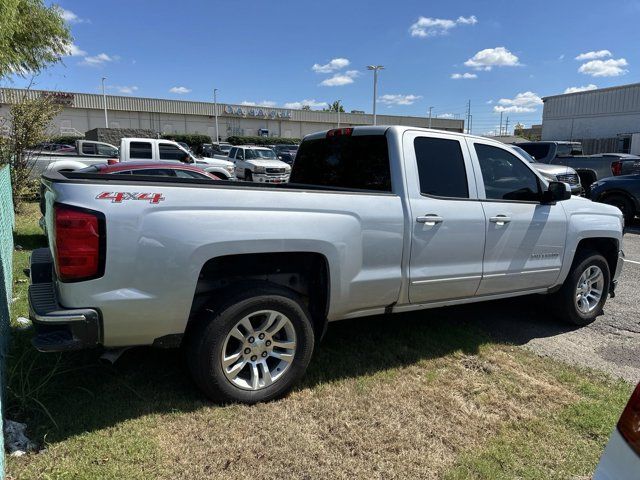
{"type": "Point", "coordinates": [246, 277]}
{"type": "Point", "coordinates": [259, 164]}
{"type": "Point", "coordinates": [554, 173]}
{"type": "Point", "coordinates": [67, 157]}
{"type": "Point", "coordinates": [146, 149]}
{"type": "Point", "coordinates": [216, 149]}
{"type": "Point", "coordinates": [589, 167]}
{"type": "Point", "coordinates": [286, 153]}
{"type": "Point", "coordinates": [622, 192]}
{"type": "Point", "coordinates": [621, 457]}
{"type": "Point", "coordinates": [162, 169]}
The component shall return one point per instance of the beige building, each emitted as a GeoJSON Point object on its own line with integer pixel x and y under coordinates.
{"type": "Point", "coordinates": [84, 111]}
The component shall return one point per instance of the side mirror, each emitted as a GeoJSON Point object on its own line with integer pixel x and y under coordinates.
{"type": "Point", "coordinates": [556, 192]}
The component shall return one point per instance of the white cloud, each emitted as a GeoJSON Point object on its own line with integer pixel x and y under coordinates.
{"type": "Point", "coordinates": [583, 88]}
{"type": "Point", "coordinates": [340, 79]}
{"type": "Point", "coordinates": [522, 103]}
{"type": "Point", "coordinates": [593, 55]}
{"type": "Point", "coordinates": [432, 27]}
{"type": "Point", "coordinates": [263, 103]}
{"type": "Point", "coordinates": [463, 76]}
{"type": "Point", "coordinates": [492, 57]}
{"type": "Point", "coordinates": [70, 17]}
{"type": "Point", "coordinates": [398, 99]}
{"type": "Point", "coordinates": [333, 65]}
{"type": "Point", "coordinates": [305, 103]}
{"type": "Point", "coordinates": [604, 68]}
{"type": "Point", "coordinates": [445, 115]}
{"type": "Point", "coordinates": [561, 57]}
{"type": "Point", "coordinates": [98, 60]}
{"type": "Point", "coordinates": [489, 102]}
{"type": "Point", "coordinates": [179, 90]}
{"type": "Point", "coordinates": [74, 51]}
{"type": "Point", "coordinates": [125, 90]}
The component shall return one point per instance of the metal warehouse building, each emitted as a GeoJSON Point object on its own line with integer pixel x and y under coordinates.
{"type": "Point", "coordinates": [85, 111]}
{"type": "Point", "coordinates": [605, 120]}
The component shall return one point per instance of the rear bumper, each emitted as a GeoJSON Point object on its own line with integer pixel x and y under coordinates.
{"type": "Point", "coordinates": [58, 329]}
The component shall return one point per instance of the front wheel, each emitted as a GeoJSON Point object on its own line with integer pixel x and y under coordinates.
{"type": "Point", "coordinates": [585, 290]}
{"type": "Point", "coordinates": [624, 204]}
{"type": "Point", "coordinates": [248, 176]}
{"type": "Point", "coordinates": [254, 347]}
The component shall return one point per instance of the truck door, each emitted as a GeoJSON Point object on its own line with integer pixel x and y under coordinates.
{"type": "Point", "coordinates": [447, 222]}
{"type": "Point", "coordinates": [525, 239]}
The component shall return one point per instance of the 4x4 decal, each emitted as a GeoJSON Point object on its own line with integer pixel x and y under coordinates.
{"type": "Point", "coordinates": [119, 197]}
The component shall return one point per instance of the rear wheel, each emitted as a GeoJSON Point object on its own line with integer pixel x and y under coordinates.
{"type": "Point", "coordinates": [585, 291]}
{"type": "Point", "coordinates": [254, 347]}
{"type": "Point", "coordinates": [624, 204]}
{"type": "Point", "coordinates": [248, 176]}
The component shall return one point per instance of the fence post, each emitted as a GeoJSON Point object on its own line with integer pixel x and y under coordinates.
{"type": "Point", "coordinates": [7, 223]}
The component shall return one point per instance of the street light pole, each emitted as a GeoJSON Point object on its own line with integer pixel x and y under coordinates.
{"type": "Point", "coordinates": [338, 108]}
{"type": "Point", "coordinates": [104, 101]}
{"type": "Point", "coordinates": [375, 69]}
{"type": "Point", "coordinates": [430, 108]}
{"type": "Point", "coordinates": [215, 112]}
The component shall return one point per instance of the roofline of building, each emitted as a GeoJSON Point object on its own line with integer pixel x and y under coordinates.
{"type": "Point", "coordinates": [586, 92]}
{"type": "Point", "coordinates": [122, 99]}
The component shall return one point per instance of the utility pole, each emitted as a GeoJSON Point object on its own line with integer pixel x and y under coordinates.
{"type": "Point", "coordinates": [104, 102]}
{"type": "Point", "coordinates": [338, 109]}
{"type": "Point", "coordinates": [469, 117]}
{"type": "Point", "coordinates": [375, 69]}
{"type": "Point", "coordinates": [215, 112]}
{"type": "Point", "coordinates": [506, 127]}
{"type": "Point", "coordinates": [430, 108]}
{"type": "Point", "coordinates": [500, 134]}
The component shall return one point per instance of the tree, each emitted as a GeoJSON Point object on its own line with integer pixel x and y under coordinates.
{"type": "Point", "coordinates": [333, 107]}
{"type": "Point", "coordinates": [29, 122]}
{"type": "Point", "coordinates": [32, 36]}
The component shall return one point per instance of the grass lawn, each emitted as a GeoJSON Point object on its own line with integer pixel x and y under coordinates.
{"type": "Point", "coordinates": [405, 396]}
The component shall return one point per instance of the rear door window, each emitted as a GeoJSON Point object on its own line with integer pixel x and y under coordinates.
{"type": "Point", "coordinates": [441, 167]}
{"type": "Point", "coordinates": [140, 150]}
{"type": "Point", "coordinates": [89, 148]}
{"type": "Point", "coordinates": [170, 152]}
{"type": "Point", "coordinates": [354, 162]}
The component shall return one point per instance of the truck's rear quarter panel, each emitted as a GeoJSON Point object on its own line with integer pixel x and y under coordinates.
{"type": "Point", "coordinates": [155, 251]}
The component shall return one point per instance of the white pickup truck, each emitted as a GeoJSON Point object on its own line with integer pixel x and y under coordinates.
{"type": "Point", "coordinates": [259, 164]}
{"type": "Point", "coordinates": [149, 149]}
{"type": "Point", "coordinates": [87, 152]}
{"type": "Point", "coordinates": [246, 276]}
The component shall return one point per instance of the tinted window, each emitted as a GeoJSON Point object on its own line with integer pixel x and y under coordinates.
{"type": "Point", "coordinates": [140, 150]}
{"type": "Point", "coordinates": [89, 149]}
{"type": "Point", "coordinates": [356, 162]}
{"type": "Point", "coordinates": [170, 152]}
{"type": "Point", "coordinates": [232, 152]}
{"type": "Point", "coordinates": [441, 167]}
{"type": "Point", "coordinates": [505, 176]}
{"type": "Point", "coordinates": [537, 150]}
{"type": "Point", "coordinates": [189, 174]}
{"type": "Point", "coordinates": [156, 172]}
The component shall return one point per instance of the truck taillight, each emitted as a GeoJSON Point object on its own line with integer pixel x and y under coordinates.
{"type": "Point", "coordinates": [616, 168]}
{"type": "Point", "coordinates": [629, 423]}
{"type": "Point", "coordinates": [79, 243]}
{"type": "Point", "coordinates": [340, 132]}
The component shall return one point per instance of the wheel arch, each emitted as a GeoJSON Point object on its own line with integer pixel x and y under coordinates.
{"type": "Point", "coordinates": [623, 193]}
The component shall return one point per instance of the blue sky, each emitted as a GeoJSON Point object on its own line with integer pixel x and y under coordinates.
{"type": "Point", "coordinates": [286, 53]}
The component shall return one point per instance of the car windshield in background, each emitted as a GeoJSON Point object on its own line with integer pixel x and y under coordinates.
{"type": "Point", "coordinates": [249, 154]}
{"type": "Point", "coordinates": [525, 154]}
{"type": "Point", "coordinates": [355, 162]}
{"type": "Point", "coordinates": [537, 150]}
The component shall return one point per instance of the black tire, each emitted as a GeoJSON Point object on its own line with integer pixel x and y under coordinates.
{"type": "Point", "coordinates": [206, 339]}
{"type": "Point", "coordinates": [564, 300]}
{"type": "Point", "coordinates": [248, 176]}
{"type": "Point", "coordinates": [624, 204]}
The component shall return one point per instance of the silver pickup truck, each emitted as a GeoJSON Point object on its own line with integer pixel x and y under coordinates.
{"type": "Point", "coordinates": [245, 277]}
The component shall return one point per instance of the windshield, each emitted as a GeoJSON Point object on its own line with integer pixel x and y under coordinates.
{"type": "Point", "coordinates": [250, 153]}
{"type": "Point", "coordinates": [536, 150]}
{"type": "Point", "coordinates": [225, 148]}
{"type": "Point", "coordinates": [525, 154]}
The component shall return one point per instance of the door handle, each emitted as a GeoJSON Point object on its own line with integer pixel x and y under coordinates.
{"type": "Point", "coordinates": [500, 219]}
{"type": "Point", "coordinates": [430, 219]}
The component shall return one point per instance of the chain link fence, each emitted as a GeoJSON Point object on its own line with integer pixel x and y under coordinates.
{"type": "Point", "coordinates": [7, 221]}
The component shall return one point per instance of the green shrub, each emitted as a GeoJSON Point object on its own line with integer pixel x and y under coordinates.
{"type": "Point", "coordinates": [237, 140]}
{"type": "Point", "coordinates": [194, 140]}
{"type": "Point", "coordinates": [66, 139]}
